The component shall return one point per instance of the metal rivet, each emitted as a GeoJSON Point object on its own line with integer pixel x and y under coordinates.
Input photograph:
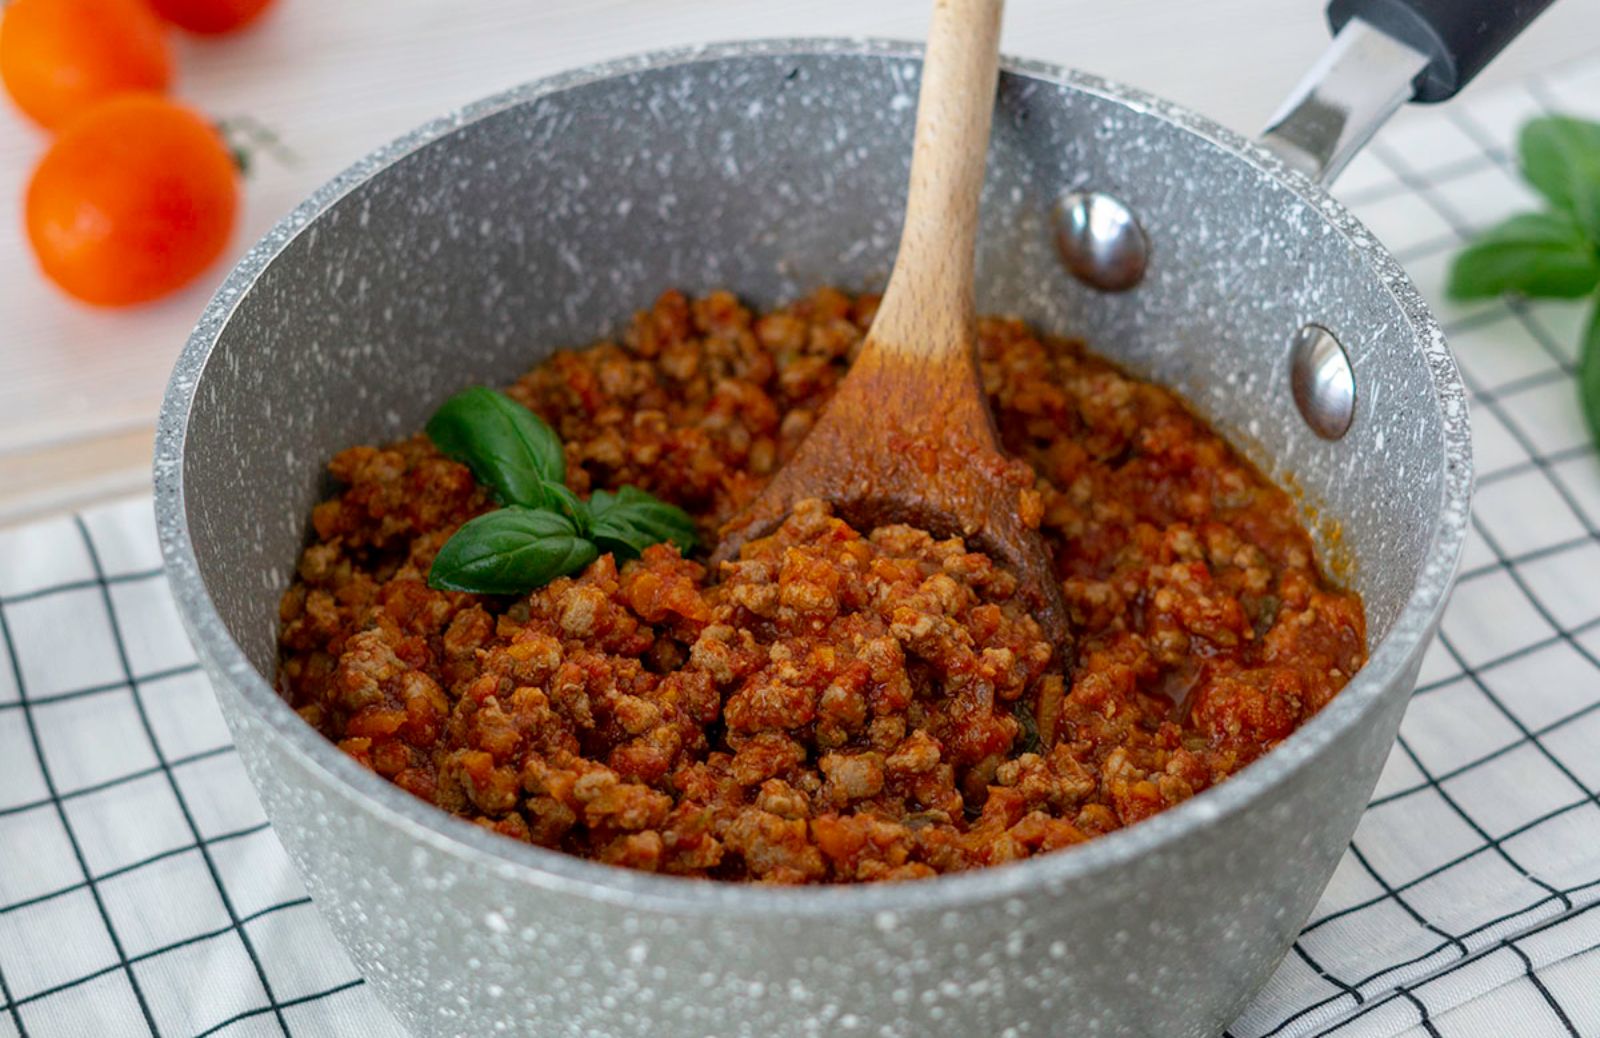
{"type": "Point", "coordinates": [1324, 382]}
{"type": "Point", "coordinates": [1100, 240]}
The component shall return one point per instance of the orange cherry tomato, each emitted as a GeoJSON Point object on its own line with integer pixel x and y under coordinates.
{"type": "Point", "coordinates": [210, 17]}
{"type": "Point", "coordinates": [61, 57]}
{"type": "Point", "coordinates": [133, 200]}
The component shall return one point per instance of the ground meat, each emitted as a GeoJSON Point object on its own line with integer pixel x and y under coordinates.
{"type": "Point", "coordinates": [837, 705]}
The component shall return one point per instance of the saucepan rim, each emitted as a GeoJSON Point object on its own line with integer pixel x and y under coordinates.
{"type": "Point", "coordinates": [563, 874]}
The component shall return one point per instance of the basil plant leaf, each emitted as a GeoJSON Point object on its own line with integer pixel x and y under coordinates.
{"type": "Point", "coordinates": [510, 551]}
{"type": "Point", "coordinates": [1561, 157]}
{"type": "Point", "coordinates": [630, 520]}
{"type": "Point", "coordinates": [1535, 254]}
{"type": "Point", "coordinates": [560, 499]}
{"type": "Point", "coordinates": [507, 446]}
{"type": "Point", "coordinates": [620, 539]}
{"type": "Point", "coordinates": [1589, 374]}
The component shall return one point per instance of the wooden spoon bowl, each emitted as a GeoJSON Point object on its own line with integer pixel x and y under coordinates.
{"type": "Point", "coordinates": [908, 436]}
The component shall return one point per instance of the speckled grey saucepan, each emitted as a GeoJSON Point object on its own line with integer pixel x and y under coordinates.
{"type": "Point", "coordinates": [467, 251]}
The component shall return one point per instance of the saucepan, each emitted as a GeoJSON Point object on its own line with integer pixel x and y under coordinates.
{"type": "Point", "coordinates": [468, 250]}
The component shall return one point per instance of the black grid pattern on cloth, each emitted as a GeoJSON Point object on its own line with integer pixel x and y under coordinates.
{"type": "Point", "coordinates": [1540, 979]}
{"type": "Point", "coordinates": [1483, 837]}
{"type": "Point", "coordinates": [141, 890]}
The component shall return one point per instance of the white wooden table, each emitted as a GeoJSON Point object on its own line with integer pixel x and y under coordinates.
{"type": "Point", "coordinates": [79, 388]}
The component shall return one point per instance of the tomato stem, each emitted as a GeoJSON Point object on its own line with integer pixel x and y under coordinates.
{"type": "Point", "coordinates": [247, 136]}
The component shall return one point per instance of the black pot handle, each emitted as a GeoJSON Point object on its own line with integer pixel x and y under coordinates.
{"type": "Point", "coordinates": [1459, 37]}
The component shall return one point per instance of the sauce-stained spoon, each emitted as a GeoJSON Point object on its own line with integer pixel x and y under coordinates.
{"type": "Point", "coordinates": [908, 436]}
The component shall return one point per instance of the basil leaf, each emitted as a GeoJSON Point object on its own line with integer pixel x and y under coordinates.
{"type": "Point", "coordinates": [1561, 157]}
{"type": "Point", "coordinates": [510, 551]}
{"type": "Point", "coordinates": [629, 521]}
{"type": "Point", "coordinates": [1536, 254]}
{"type": "Point", "coordinates": [1589, 374]}
{"type": "Point", "coordinates": [654, 516]}
{"type": "Point", "coordinates": [602, 502]}
{"type": "Point", "coordinates": [506, 445]}
{"type": "Point", "coordinates": [563, 500]}
{"type": "Point", "coordinates": [620, 539]}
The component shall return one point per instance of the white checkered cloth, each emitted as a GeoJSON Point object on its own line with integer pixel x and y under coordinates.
{"type": "Point", "coordinates": [141, 891]}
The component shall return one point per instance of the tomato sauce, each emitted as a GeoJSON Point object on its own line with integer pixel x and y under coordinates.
{"type": "Point", "coordinates": [837, 705]}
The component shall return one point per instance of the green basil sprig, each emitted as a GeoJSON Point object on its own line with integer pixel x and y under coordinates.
{"type": "Point", "coordinates": [1561, 157]}
{"type": "Point", "coordinates": [1532, 254]}
{"type": "Point", "coordinates": [630, 520]}
{"type": "Point", "coordinates": [1554, 253]}
{"type": "Point", "coordinates": [511, 550]}
{"type": "Point", "coordinates": [544, 530]}
{"type": "Point", "coordinates": [506, 446]}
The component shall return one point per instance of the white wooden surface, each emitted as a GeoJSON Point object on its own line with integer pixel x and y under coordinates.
{"type": "Point", "coordinates": [79, 388]}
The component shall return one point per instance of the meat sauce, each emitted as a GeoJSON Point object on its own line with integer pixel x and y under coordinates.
{"type": "Point", "coordinates": [837, 705]}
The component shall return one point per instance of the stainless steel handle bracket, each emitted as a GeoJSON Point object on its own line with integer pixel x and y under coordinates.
{"type": "Point", "coordinates": [1364, 76]}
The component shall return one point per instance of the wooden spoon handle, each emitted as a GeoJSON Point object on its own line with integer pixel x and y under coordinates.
{"type": "Point", "coordinates": [930, 289]}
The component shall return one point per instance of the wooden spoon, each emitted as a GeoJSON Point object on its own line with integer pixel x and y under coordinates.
{"type": "Point", "coordinates": [907, 436]}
